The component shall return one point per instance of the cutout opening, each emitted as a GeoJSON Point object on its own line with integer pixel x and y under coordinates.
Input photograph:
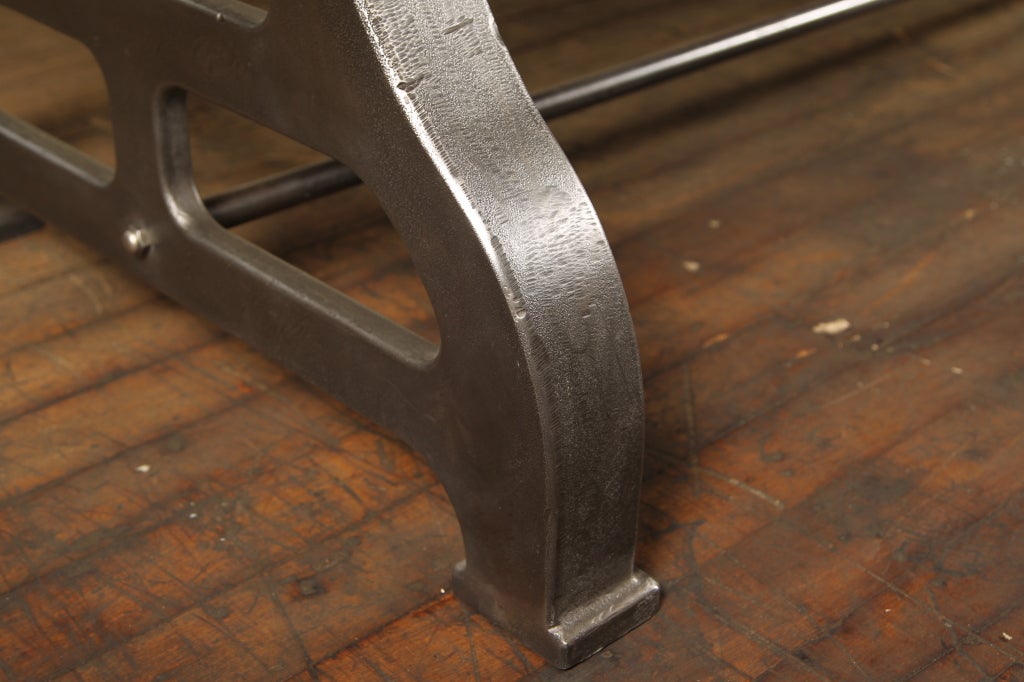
{"type": "Point", "coordinates": [345, 239]}
{"type": "Point", "coordinates": [54, 83]}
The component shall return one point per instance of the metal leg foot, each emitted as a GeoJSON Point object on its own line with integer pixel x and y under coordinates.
{"type": "Point", "coordinates": [530, 411]}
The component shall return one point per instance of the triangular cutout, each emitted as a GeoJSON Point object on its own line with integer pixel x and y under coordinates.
{"type": "Point", "coordinates": [345, 239]}
{"type": "Point", "coordinates": [54, 83]}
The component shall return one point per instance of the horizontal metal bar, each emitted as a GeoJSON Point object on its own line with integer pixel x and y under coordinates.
{"type": "Point", "coordinates": [603, 87]}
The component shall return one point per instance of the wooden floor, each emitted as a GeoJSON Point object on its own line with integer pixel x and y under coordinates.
{"type": "Point", "coordinates": [847, 506]}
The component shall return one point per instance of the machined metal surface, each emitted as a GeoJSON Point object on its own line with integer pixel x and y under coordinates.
{"type": "Point", "coordinates": [530, 411]}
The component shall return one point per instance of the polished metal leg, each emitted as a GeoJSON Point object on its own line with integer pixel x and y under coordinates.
{"type": "Point", "coordinates": [530, 411]}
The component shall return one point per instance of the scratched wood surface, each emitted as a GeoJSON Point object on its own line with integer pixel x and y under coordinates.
{"type": "Point", "coordinates": [847, 506]}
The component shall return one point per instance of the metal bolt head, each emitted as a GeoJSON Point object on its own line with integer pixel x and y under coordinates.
{"type": "Point", "coordinates": [136, 241]}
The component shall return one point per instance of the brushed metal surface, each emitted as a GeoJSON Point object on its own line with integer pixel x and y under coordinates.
{"type": "Point", "coordinates": [531, 410]}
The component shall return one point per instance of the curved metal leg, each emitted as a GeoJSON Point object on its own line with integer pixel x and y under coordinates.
{"type": "Point", "coordinates": [531, 410]}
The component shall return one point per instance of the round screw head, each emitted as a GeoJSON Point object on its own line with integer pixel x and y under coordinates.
{"type": "Point", "coordinates": [136, 241]}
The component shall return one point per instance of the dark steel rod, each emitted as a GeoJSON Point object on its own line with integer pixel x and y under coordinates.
{"type": "Point", "coordinates": [278, 192]}
{"type": "Point", "coordinates": [630, 78]}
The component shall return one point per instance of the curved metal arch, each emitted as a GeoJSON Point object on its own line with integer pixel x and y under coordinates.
{"type": "Point", "coordinates": [531, 411]}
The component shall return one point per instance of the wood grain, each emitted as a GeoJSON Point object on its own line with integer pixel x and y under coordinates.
{"type": "Point", "coordinates": [174, 506]}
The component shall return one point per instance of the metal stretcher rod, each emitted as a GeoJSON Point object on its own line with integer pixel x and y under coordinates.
{"type": "Point", "coordinates": [632, 77]}
{"type": "Point", "coordinates": [279, 192]}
